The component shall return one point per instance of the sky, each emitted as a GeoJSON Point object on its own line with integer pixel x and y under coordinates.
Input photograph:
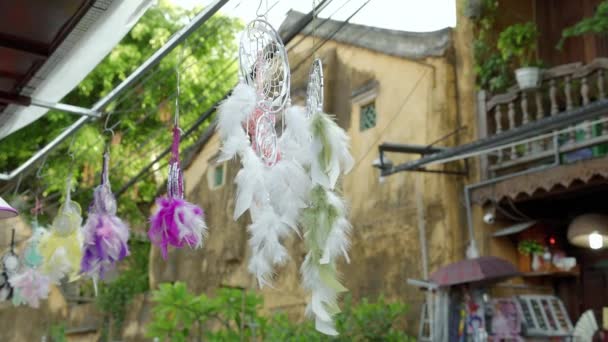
{"type": "Point", "coordinates": [403, 15]}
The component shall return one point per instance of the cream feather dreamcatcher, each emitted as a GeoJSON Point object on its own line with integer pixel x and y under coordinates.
{"type": "Point", "coordinates": [271, 185]}
{"type": "Point", "coordinates": [322, 148]}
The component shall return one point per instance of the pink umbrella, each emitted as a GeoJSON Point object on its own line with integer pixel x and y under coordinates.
{"type": "Point", "coordinates": [479, 269]}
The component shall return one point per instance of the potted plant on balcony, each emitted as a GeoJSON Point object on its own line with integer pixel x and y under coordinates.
{"type": "Point", "coordinates": [517, 44]}
{"type": "Point", "coordinates": [529, 255]}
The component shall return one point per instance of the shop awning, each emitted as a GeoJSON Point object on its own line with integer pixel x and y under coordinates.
{"type": "Point", "coordinates": [48, 47]}
{"type": "Point", "coordinates": [585, 172]}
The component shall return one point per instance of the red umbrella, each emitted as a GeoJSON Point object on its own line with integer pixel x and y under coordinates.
{"type": "Point", "coordinates": [474, 270]}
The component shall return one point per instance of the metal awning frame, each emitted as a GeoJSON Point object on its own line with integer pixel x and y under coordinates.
{"type": "Point", "coordinates": [98, 108]}
{"type": "Point", "coordinates": [505, 139]}
{"type": "Point", "coordinates": [384, 163]}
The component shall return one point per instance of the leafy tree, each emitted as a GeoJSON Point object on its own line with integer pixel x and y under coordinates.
{"type": "Point", "coordinates": [596, 24]}
{"type": "Point", "coordinates": [233, 315]}
{"type": "Point", "coordinates": [143, 113]}
{"type": "Point", "coordinates": [144, 117]}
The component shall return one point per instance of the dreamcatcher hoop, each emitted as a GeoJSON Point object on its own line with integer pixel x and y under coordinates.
{"type": "Point", "coordinates": [264, 65]}
{"type": "Point", "coordinates": [314, 90]}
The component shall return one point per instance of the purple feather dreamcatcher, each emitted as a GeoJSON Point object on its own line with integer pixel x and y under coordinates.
{"type": "Point", "coordinates": [105, 235]}
{"type": "Point", "coordinates": [176, 222]}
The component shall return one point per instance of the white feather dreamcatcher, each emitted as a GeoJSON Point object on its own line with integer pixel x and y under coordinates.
{"type": "Point", "coordinates": [323, 148]}
{"type": "Point", "coordinates": [271, 185]}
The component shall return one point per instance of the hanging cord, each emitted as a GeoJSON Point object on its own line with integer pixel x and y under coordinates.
{"type": "Point", "coordinates": [314, 28]}
{"type": "Point", "coordinates": [257, 11]}
{"type": "Point", "coordinates": [13, 241]}
{"type": "Point", "coordinates": [106, 155]}
{"type": "Point", "coordinates": [37, 209]}
{"type": "Point", "coordinates": [109, 129]}
{"type": "Point", "coordinates": [175, 181]}
{"type": "Point", "coordinates": [68, 195]}
{"type": "Point", "coordinates": [105, 179]}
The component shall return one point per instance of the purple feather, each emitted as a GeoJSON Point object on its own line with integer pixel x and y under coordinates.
{"type": "Point", "coordinates": [105, 235]}
{"type": "Point", "coordinates": [176, 222]}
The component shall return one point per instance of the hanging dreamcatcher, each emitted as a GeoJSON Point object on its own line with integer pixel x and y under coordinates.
{"type": "Point", "coordinates": [105, 235]}
{"type": "Point", "coordinates": [323, 148]}
{"type": "Point", "coordinates": [271, 184]}
{"type": "Point", "coordinates": [61, 248]}
{"type": "Point", "coordinates": [10, 265]}
{"type": "Point", "coordinates": [29, 284]}
{"type": "Point", "coordinates": [176, 222]}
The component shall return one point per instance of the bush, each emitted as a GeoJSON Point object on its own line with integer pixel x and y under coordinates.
{"type": "Point", "coordinates": [233, 315]}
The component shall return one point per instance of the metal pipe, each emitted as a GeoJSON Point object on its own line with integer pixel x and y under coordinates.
{"type": "Point", "coordinates": [468, 188]}
{"type": "Point", "coordinates": [530, 129]}
{"type": "Point", "coordinates": [408, 148]}
{"type": "Point", "coordinates": [153, 60]}
{"type": "Point", "coordinates": [43, 151]}
{"type": "Point", "coordinates": [65, 108]}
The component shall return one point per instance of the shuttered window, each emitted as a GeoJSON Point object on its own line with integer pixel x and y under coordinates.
{"type": "Point", "coordinates": [367, 118]}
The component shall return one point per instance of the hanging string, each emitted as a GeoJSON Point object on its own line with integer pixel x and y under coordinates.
{"type": "Point", "coordinates": [175, 181]}
{"type": "Point", "coordinates": [257, 11]}
{"type": "Point", "coordinates": [68, 195]}
{"type": "Point", "coordinates": [178, 92]}
{"type": "Point", "coordinates": [314, 28]}
{"type": "Point", "coordinates": [13, 241]}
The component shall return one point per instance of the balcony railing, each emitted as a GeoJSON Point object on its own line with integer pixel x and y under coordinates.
{"type": "Point", "coordinates": [562, 88]}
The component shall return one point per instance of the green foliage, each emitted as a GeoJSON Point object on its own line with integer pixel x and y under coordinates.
{"type": "Point", "coordinates": [530, 247]}
{"type": "Point", "coordinates": [115, 296]}
{"type": "Point", "coordinates": [180, 316]}
{"type": "Point", "coordinates": [143, 112]}
{"type": "Point", "coordinates": [57, 333]}
{"type": "Point", "coordinates": [596, 24]}
{"type": "Point", "coordinates": [492, 71]}
{"type": "Point", "coordinates": [517, 43]}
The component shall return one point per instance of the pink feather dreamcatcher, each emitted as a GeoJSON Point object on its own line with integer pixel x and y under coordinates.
{"type": "Point", "coordinates": [271, 185]}
{"type": "Point", "coordinates": [176, 222]}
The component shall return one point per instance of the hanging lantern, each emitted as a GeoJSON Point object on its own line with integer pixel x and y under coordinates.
{"type": "Point", "coordinates": [589, 231]}
{"type": "Point", "coordinates": [6, 211]}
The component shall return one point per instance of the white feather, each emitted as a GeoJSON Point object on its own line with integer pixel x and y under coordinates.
{"type": "Point", "coordinates": [288, 186]}
{"type": "Point", "coordinates": [325, 327]}
{"type": "Point", "coordinates": [250, 181]}
{"type": "Point", "coordinates": [341, 159]}
{"type": "Point", "coordinates": [195, 224]}
{"type": "Point", "coordinates": [322, 296]}
{"type": "Point", "coordinates": [234, 111]}
{"type": "Point", "coordinates": [266, 232]}
{"type": "Point", "coordinates": [338, 240]}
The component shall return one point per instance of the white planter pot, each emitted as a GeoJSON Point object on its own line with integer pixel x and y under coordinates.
{"type": "Point", "coordinates": [527, 78]}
